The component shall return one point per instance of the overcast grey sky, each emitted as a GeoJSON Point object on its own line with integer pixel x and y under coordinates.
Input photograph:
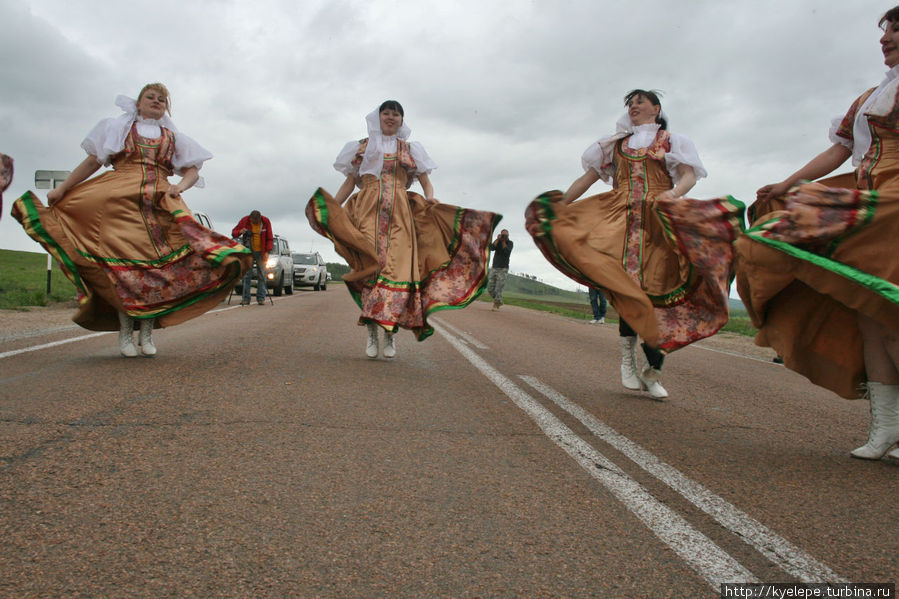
{"type": "Point", "coordinates": [504, 95]}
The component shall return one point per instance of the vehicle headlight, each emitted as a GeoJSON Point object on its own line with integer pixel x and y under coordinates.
{"type": "Point", "coordinates": [271, 262]}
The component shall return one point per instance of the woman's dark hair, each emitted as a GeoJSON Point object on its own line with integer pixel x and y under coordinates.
{"type": "Point", "coordinates": [890, 16]}
{"type": "Point", "coordinates": [653, 98]}
{"type": "Point", "coordinates": [392, 105]}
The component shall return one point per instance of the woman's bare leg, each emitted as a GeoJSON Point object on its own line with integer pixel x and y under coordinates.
{"type": "Point", "coordinates": [881, 349]}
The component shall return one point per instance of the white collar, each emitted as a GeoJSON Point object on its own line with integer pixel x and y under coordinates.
{"type": "Point", "coordinates": [643, 136]}
{"type": "Point", "coordinates": [145, 121]}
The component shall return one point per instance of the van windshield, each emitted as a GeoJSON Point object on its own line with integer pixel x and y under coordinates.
{"type": "Point", "coordinates": [304, 259]}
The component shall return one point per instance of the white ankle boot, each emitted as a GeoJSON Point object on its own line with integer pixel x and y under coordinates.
{"type": "Point", "coordinates": [629, 363]}
{"type": "Point", "coordinates": [126, 336]}
{"type": "Point", "coordinates": [389, 345]}
{"type": "Point", "coordinates": [371, 346]}
{"type": "Point", "coordinates": [651, 380]}
{"type": "Point", "coordinates": [884, 432]}
{"type": "Point", "coordinates": [145, 338]}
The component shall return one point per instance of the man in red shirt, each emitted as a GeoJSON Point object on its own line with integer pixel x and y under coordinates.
{"type": "Point", "coordinates": [255, 232]}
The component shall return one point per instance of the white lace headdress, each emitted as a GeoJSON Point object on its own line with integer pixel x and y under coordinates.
{"type": "Point", "coordinates": [379, 144]}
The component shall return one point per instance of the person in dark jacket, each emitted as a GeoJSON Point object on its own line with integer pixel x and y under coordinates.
{"type": "Point", "coordinates": [502, 249]}
{"type": "Point", "coordinates": [255, 232]}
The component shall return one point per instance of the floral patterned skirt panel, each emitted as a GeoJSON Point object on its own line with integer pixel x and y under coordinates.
{"type": "Point", "coordinates": [127, 247]}
{"type": "Point", "coordinates": [812, 262]}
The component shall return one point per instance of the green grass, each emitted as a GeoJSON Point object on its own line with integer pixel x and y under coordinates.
{"type": "Point", "coordinates": [23, 281]}
{"type": "Point", "coordinates": [568, 309]}
{"type": "Point", "coordinates": [738, 323]}
{"type": "Point", "coordinates": [525, 288]}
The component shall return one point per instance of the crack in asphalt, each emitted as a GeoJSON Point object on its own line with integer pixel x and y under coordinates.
{"type": "Point", "coordinates": [36, 451]}
{"type": "Point", "coordinates": [96, 419]}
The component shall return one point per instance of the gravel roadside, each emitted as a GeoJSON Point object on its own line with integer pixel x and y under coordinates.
{"type": "Point", "coordinates": [36, 320]}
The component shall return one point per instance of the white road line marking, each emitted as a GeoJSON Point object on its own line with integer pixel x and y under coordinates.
{"type": "Point", "coordinates": [25, 350]}
{"type": "Point", "coordinates": [710, 561]}
{"type": "Point", "coordinates": [731, 353]}
{"type": "Point", "coordinates": [225, 309]}
{"type": "Point", "coordinates": [465, 336]}
{"type": "Point", "coordinates": [16, 352]}
{"type": "Point", "coordinates": [778, 550]}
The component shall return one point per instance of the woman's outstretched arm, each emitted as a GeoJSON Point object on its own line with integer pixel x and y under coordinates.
{"type": "Point", "coordinates": [188, 178]}
{"type": "Point", "coordinates": [346, 188]}
{"type": "Point", "coordinates": [88, 167]}
{"type": "Point", "coordinates": [427, 187]}
{"type": "Point", "coordinates": [823, 164]}
{"type": "Point", "coordinates": [686, 179]}
{"type": "Point", "coordinates": [580, 185]}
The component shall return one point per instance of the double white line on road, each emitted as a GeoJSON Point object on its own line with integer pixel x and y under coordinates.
{"type": "Point", "coordinates": [701, 553]}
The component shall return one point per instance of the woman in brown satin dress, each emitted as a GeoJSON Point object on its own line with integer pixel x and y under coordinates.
{"type": "Point", "coordinates": [409, 254]}
{"type": "Point", "coordinates": [818, 271]}
{"type": "Point", "coordinates": [126, 239]}
{"type": "Point", "coordinates": [664, 261]}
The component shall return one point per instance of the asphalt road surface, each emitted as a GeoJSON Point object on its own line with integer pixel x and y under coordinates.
{"type": "Point", "coordinates": [261, 454]}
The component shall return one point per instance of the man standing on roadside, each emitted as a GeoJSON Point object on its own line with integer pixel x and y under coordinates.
{"type": "Point", "coordinates": [599, 305]}
{"type": "Point", "coordinates": [502, 249]}
{"type": "Point", "coordinates": [255, 232]}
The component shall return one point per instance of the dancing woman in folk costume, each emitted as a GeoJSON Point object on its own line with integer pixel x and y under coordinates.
{"type": "Point", "coordinates": [818, 270]}
{"type": "Point", "coordinates": [663, 261]}
{"type": "Point", "coordinates": [126, 239]}
{"type": "Point", "coordinates": [409, 255]}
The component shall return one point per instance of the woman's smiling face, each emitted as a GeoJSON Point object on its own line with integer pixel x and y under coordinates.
{"type": "Point", "coordinates": [391, 121]}
{"type": "Point", "coordinates": [642, 111]}
{"type": "Point", "coordinates": [889, 43]}
{"type": "Point", "coordinates": [152, 104]}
